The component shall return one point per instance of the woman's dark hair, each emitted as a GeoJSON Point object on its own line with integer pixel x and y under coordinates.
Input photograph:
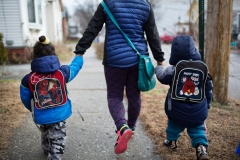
{"type": "Point", "coordinates": [41, 50]}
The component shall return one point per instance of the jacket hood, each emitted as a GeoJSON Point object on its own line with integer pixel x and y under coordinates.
{"type": "Point", "coordinates": [183, 48]}
{"type": "Point", "coordinates": [46, 64]}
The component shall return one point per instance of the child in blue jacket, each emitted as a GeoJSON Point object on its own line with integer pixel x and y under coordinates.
{"type": "Point", "coordinates": [182, 114]}
{"type": "Point", "coordinates": [43, 92]}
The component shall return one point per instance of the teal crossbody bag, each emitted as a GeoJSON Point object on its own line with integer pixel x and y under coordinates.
{"type": "Point", "coordinates": [146, 74]}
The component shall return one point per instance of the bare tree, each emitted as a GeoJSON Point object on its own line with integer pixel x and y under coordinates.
{"type": "Point", "coordinates": [84, 12]}
{"type": "Point", "coordinates": [218, 36]}
{"type": "Point", "coordinates": [154, 3]}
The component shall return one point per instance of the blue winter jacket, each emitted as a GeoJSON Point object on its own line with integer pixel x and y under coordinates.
{"type": "Point", "coordinates": [135, 18]}
{"type": "Point", "coordinates": [186, 114]}
{"type": "Point", "coordinates": [49, 64]}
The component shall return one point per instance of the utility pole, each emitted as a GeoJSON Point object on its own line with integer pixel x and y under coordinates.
{"type": "Point", "coordinates": [217, 53]}
{"type": "Point", "coordinates": [201, 28]}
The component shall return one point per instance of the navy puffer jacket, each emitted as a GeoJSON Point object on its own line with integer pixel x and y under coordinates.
{"type": "Point", "coordinates": [131, 21]}
{"type": "Point", "coordinates": [186, 114]}
{"type": "Point", "coordinates": [136, 19]}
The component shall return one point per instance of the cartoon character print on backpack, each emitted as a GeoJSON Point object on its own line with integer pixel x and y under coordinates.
{"type": "Point", "coordinates": [49, 92]}
{"type": "Point", "coordinates": [188, 87]}
{"type": "Point", "coordinates": [189, 81]}
{"type": "Point", "coordinates": [55, 92]}
{"type": "Point", "coordinates": [49, 89]}
{"type": "Point", "coordinates": [42, 92]}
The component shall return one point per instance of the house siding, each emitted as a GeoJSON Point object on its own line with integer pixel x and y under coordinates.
{"type": "Point", "coordinates": [50, 22]}
{"type": "Point", "coordinates": [54, 22]}
{"type": "Point", "coordinates": [15, 27]}
{"type": "Point", "coordinates": [59, 21]}
{"type": "Point", "coordinates": [24, 18]}
{"type": "Point", "coordinates": [10, 23]}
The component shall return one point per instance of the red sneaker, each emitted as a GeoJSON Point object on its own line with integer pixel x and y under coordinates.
{"type": "Point", "coordinates": [124, 135]}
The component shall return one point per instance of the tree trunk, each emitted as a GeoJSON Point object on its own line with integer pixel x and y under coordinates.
{"type": "Point", "coordinates": [217, 50]}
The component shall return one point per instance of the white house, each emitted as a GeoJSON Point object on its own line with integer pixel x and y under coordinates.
{"type": "Point", "coordinates": [54, 11]}
{"type": "Point", "coordinates": [23, 21]}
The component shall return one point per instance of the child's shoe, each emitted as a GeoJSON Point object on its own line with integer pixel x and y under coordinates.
{"type": "Point", "coordinates": [124, 134]}
{"type": "Point", "coordinates": [45, 152]}
{"type": "Point", "coordinates": [238, 150]}
{"type": "Point", "coordinates": [201, 152]}
{"type": "Point", "coordinates": [171, 144]}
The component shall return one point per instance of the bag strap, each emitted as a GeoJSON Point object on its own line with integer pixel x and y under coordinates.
{"type": "Point", "coordinates": [115, 22]}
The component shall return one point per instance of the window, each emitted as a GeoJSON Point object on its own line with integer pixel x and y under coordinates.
{"type": "Point", "coordinates": [34, 13]}
{"type": "Point", "coordinates": [31, 11]}
{"type": "Point", "coordinates": [39, 8]}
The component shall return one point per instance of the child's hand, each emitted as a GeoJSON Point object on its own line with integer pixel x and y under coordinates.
{"type": "Point", "coordinates": [208, 105]}
{"type": "Point", "coordinates": [160, 63]}
{"type": "Point", "coordinates": [79, 54]}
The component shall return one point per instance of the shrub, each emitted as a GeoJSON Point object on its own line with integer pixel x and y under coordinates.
{"type": "Point", "coordinates": [3, 52]}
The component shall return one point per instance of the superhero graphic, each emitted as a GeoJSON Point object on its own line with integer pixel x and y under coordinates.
{"type": "Point", "coordinates": [48, 92]}
{"type": "Point", "coordinates": [42, 88]}
{"type": "Point", "coordinates": [55, 92]}
{"type": "Point", "coordinates": [42, 92]}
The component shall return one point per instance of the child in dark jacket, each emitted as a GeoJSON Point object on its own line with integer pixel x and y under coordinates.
{"type": "Point", "coordinates": [43, 92]}
{"type": "Point", "coordinates": [185, 114]}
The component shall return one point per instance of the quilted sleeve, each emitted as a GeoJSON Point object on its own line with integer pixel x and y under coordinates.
{"type": "Point", "coordinates": [75, 67]}
{"type": "Point", "coordinates": [208, 90]}
{"type": "Point", "coordinates": [25, 93]}
{"type": "Point", "coordinates": [164, 75]}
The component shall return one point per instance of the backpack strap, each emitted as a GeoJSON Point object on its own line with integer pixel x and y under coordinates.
{"type": "Point", "coordinates": [169, 100]}
{"type": "Point", "coordinates": [29, 82]}
{"type": "Point", "coordinates": [32, 101]}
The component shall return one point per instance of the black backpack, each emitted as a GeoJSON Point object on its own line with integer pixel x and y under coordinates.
{"type": "Point", "coordinates": [189, 81]}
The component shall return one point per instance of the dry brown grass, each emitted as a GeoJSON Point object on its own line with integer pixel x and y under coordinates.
{"type": "Point", "coordinates": [222, 123]}
{"type": "Point", "coordinates": [64, 52]}
{"type": "Point", "coordinates": [12, 111]}
{"type": "Point", "coordinates": [99, 50]}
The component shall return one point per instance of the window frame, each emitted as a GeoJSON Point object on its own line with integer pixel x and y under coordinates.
{"type": "Point", "coordinates": [38, 15]}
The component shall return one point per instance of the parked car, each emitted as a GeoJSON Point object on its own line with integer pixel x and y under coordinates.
{"type": "Point", "coordinates": [166, 38]}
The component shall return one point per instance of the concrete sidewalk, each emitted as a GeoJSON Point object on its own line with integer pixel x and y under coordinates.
{"type": "Point", "coordinates": [234, 75]}
{"type": "Point", "coordinates": [91, 139]}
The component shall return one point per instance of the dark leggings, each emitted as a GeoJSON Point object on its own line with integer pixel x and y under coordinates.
{"type": "Point", "coordinates": [117, 79]}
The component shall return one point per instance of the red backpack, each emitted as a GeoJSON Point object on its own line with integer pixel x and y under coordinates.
{"type": "Point", "coordinates": [49, 90]}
